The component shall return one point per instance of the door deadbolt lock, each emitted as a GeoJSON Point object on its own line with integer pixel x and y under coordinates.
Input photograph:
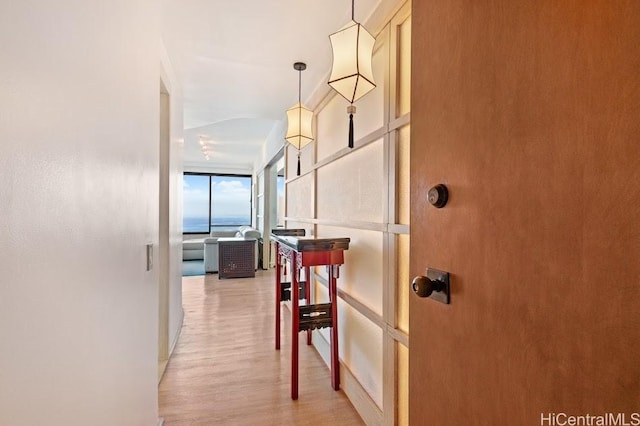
{"type": "Point", "coordinates": [438, 196]}
{"type": "Point", "coordinates": [435, 286]}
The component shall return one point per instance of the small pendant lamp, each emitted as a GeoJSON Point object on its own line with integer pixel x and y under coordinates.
{"type": "Point", "coordinates": [351, 72]}
{"type": "Point", "coordinates": [299, 118]}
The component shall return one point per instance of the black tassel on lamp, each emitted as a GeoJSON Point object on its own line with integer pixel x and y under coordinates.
{"type": "Point", "coordinates": [298, 164]}
{"type": "Point", "coordinates": [351, 110]}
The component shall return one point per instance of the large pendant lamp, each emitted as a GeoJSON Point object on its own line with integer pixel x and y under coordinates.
{"type": "Point", "coordinates": [299, 118]}
{"type": "Point", "coordinates": [351, 72]}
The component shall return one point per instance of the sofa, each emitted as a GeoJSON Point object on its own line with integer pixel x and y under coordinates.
{"type": "Point", "coordinates": [211, 245]}
{"type": "Point", "coordinates": [193, 249]}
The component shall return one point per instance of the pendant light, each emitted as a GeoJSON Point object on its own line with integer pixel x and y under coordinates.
{"type": "Point", "coordinates": [352, 71]}
{"type": "Point", "coordinates": [299, 118]}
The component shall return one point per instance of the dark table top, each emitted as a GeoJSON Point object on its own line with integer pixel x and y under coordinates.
{"type": "Point", "coordinates": [290, 232]}
{"type": "Point", "coordinates": [312, 244]}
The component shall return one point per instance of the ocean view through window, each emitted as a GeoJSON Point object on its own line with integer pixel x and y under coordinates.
{"type": "Point", "coordinates": [215, 202]}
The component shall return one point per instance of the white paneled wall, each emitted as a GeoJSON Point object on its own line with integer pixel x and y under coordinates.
{"type": "Point", "coordinates": [362, 193]}
{"type": "Point", "coordinates": [299, 190]}
{"type": "Point", "coordinates": [333, 126]}
{"type": "Point", "coordinates": [360, 275]}
{"type": "Point", "coordinates": [352, 187]}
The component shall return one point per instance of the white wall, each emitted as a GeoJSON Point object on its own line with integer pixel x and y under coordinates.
{"type": "Point", "coordinates": [272, 145]}
{"type": "Point", "coordinates": [79, 86]}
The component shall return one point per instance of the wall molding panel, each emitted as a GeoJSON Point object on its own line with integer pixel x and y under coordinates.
{"type": "Point", "coordinates": [358, 193]}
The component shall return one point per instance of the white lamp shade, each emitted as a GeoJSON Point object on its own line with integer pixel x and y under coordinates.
{"type": "Point", "coordinates": [299, 130]}
{"type": "Point", "coordinates": [352, 73]}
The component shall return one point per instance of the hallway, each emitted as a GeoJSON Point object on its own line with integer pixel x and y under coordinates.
{"type": "Point", "coordinates": [225, 370]}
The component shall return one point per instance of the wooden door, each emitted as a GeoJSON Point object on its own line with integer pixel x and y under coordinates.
{"type": "Point", "coordinates": [529, 111]}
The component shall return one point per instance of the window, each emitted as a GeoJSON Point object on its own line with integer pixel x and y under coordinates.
{"type": "Point", "coordinates": [230, 201]}
{"type": "Point", "coordinates": [215, 201]}
{"type": "Point", "coordinates": [195, 210]}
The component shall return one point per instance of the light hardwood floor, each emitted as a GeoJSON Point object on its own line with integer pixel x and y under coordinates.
{"type": "Point", "coordinates": [225, 370]}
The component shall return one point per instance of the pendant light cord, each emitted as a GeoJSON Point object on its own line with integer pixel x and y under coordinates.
{"type": "Point", "coordinates": [299, 114]}
{"type": "Point", "coordinates": [299, 85]}
{"type": "Point", "coordinates": [353, 5]}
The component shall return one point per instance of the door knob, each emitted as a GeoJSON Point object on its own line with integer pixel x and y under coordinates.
{"type": "Point", "coordinates": [435, 285]}
{"type": "Point", "coordinates": [423, 286]}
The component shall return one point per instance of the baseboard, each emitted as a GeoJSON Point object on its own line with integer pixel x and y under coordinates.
{"type": "Point", "coordinates": [162, 364]}
{"type": "Point", "coordinates": [362, 402]}
{"type": "Point", "coordinates": [175, 340]}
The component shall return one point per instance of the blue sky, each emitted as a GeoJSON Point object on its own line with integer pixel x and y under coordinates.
{"type": "Point", "coordinates": [231, 196]}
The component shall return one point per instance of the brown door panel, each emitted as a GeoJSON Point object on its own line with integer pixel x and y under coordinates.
{"type": "Point", "coordinates": [529, 111]}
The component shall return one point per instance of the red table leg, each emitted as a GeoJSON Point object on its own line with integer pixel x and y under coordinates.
{"type": "Point", "coordinates": [278, 286]}
{"type": "Point", "coordinates": [295, 325]}
{"type": "Point", "coordinates": [333, 298]}
{"type": "Point", "coordinates": [307, 296]}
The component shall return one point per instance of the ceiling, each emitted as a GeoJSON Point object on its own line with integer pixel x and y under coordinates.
{"type": "Point", "coordinates": [234, 62]}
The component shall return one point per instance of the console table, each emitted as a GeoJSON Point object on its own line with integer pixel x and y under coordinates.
{"type": "Point", "coordinates": [304, 252]}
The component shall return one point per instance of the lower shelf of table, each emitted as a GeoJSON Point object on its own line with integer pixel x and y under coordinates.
{"type": "Point", "coordinates": [315, 316]}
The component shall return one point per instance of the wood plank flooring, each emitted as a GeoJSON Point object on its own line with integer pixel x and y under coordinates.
{"type": "Point", "coordinates": [225, 370]}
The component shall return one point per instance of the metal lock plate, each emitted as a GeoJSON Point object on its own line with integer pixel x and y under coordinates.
{"type": "Point", "coordinates": [443, 296]}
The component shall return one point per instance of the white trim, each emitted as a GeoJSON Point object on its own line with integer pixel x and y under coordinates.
{"type": "Point", "coordinates": [399, 122]}
{"type": "Point", "coordinates": [203, 167]}
{"type": "Point", "coordinates": [162, 363]}
{"type": "Point", "coordinates": [398, 335]}
{"type": "Point", "coordinates": [398, 228]}
{"type": "Point", "coordinates": [363, 309]}
{"type": "Point", "coordinates": [175, 340]}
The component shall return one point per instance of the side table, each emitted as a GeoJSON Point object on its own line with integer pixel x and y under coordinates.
{"type": "Point", "coordinates": [236, 258]}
